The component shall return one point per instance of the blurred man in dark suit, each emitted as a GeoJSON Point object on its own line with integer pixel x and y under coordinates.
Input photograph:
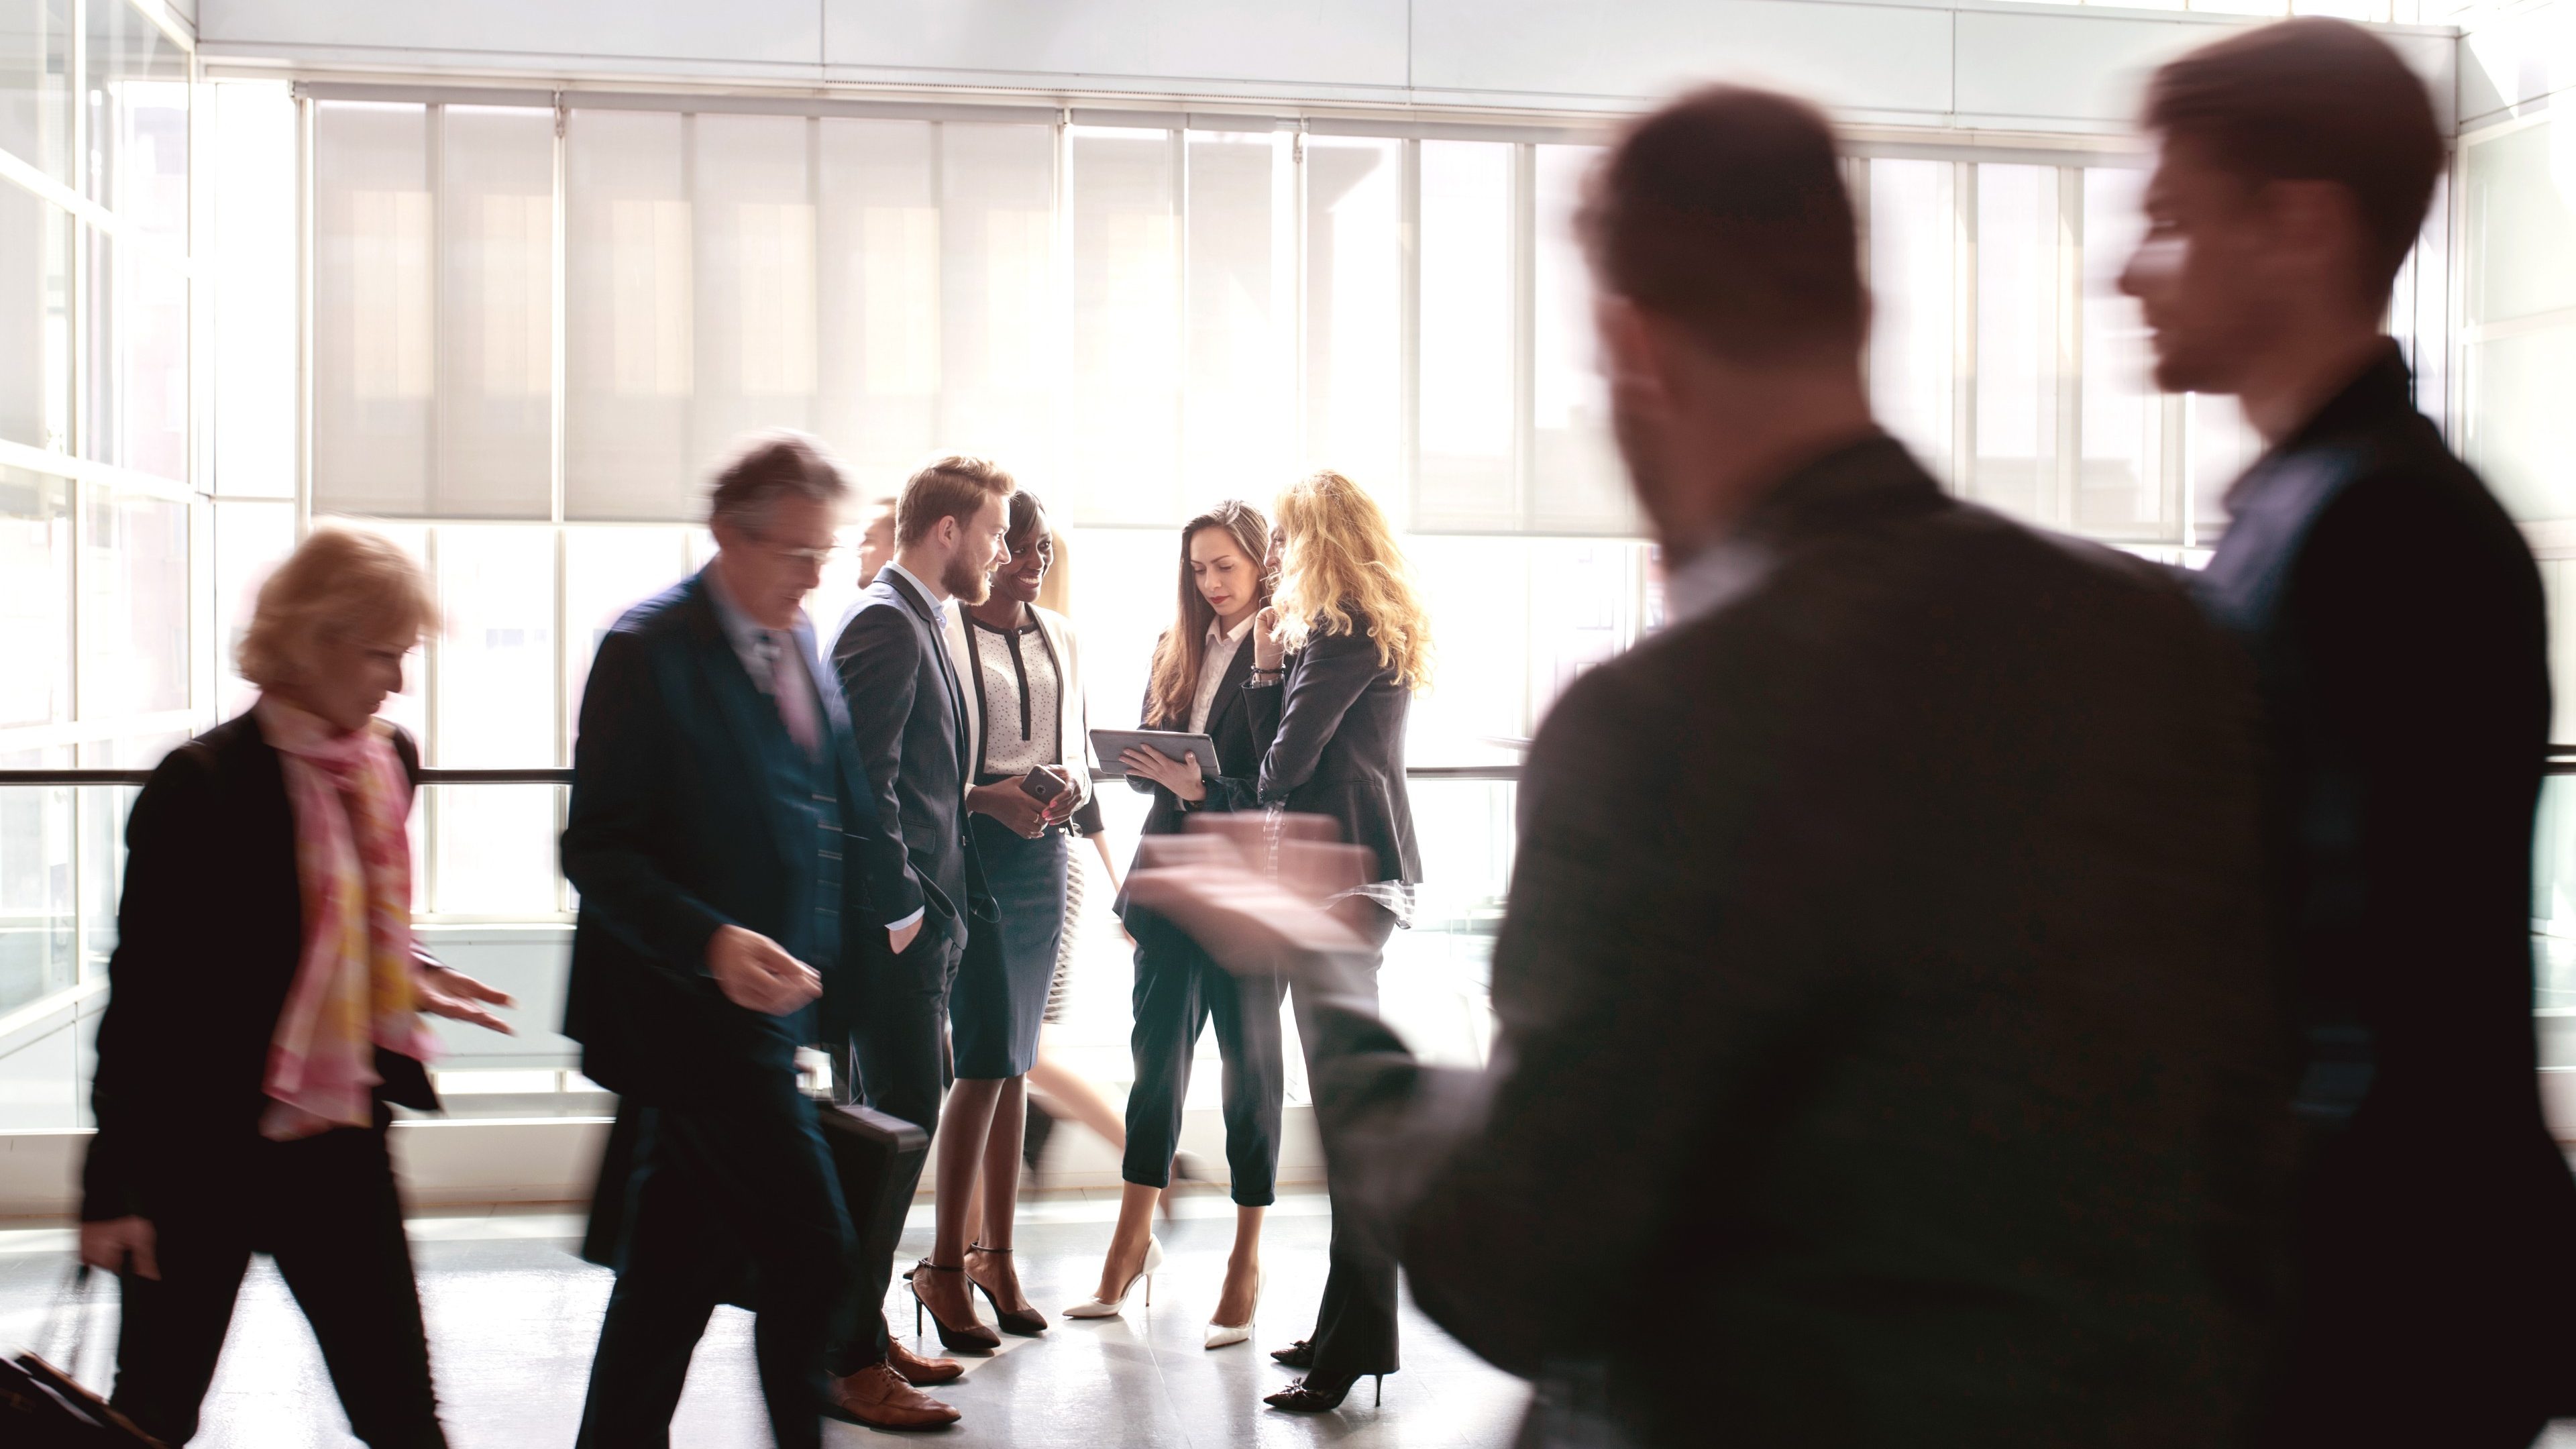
{"type": "Point", "coordinates": [1886, 1052]}
{"type": "Point", "coordinates": [716, 803]}
{"type": "Point", "coordinates": [2396, 618]}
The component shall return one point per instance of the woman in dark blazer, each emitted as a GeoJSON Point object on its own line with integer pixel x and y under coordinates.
{"type": "Point", "coordinates": [1337, 660]}
{"type": "Point", "coordinates": [265, 1009]}
{"type": "Point", "coordinates": [1200, 665]}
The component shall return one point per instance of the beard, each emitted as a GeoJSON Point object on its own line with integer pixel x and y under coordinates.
{"type": "Point", "coordinates": [966, 583]}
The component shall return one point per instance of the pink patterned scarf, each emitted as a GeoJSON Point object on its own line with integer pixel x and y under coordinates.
{"type": "Point", "coordinates": [353, 984]}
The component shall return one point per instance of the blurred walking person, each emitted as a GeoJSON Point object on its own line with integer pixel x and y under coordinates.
{"type": "Point", "coordinates": [1884, 1009]}
{"type": "Point", "coordinates": [718, 809]}
{"type": "Point", "coordinates": [264, 1012]}
{"type": "Point", "coordinates": [2396, 617]}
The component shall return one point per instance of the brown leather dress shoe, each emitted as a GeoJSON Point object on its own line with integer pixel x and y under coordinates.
{"type": "Point", "coordinates": [918, 1371]}
{"type": "Point", "coordinates": [877, 1397]}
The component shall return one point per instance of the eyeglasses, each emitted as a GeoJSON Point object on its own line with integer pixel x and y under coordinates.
{"type": "Point", "coordinates": [818, 557]}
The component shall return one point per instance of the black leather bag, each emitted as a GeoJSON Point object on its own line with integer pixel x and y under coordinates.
{"type": "Point", "coordinates": [44, 1407]}
{"type": "Point", "coordinates": [873, 1155]}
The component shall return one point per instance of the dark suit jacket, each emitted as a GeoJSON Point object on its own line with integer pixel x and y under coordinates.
{"type": "Point", "coordinates": [209, 934]}
{"type": "Point", "coordinates": [1884, 1010]}
{"type": "Point", "coordinates": [1238, 750]}
{"type": "Point", "coordinates": [2396, 617]}
{"type": "Point", "coordinates": [909, 709]}
{"type": "Point", "coordinates": [676, 830]}
{"type": "Point", "coordinates": [1335, 727]}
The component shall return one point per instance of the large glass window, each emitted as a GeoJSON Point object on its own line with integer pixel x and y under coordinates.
{"type": "Point", "coordinates": [1577, 482]}
{"type": "Point", "coordinates": [2017, 341]}
{"type": "Point", "coordinates": [138, 120]}
{"type": "Point", "coordinates": [628, 345]}
{"type": "Point", "coordinates": [253, 201]}
{"type": "Point", "coordinates": [877, 341]}
{"type": "Point", "coordinates": [1122, 430]}
{"type": "Point", "coordinates": [1355, 400]}
{"type": "Point", "coordinates": [1913, 225]}
{"type": "Point", "coordinates": [2519, 315]}
{"type": "Point", "coordinates": [1464, 476]}
{"type": "Point", "coordinates": [35, 599]}
{"type": "Point", "coordinates": [36, 85]}
{"type": "Point", "coordinates": [2121, 490]}
{"type": "Point", "coordinates": [101, 653]}
{"type": "Point", "coordinates": [35, 321]}
{"type": "Point", "coordinates": [133, 607]}
{"type": "Point", "coordinates": [1240, 399]}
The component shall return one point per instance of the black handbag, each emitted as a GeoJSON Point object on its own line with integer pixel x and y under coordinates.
{"type": "Point", "coordinates": [44, 1407]}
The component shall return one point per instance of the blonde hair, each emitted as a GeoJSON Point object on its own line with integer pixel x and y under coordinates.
{"type": "Point", "coordinates": [338, 581]}
{"type": "Point", "coordinates": [1341, 560]}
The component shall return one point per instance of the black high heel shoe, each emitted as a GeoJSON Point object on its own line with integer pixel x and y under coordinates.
{"type": "Point", "coordinates": [1300, 1354]}
{"type": "Point", "coordinates": [1026, 1322]}
{"type": "Point", "coordinates": [1308, 1397]}
{"type": "Point", "coordinates": [974, 1337]}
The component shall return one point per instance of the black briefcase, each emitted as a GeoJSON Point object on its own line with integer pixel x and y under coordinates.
{"type": "Point", "coordinates": [876, 1156]}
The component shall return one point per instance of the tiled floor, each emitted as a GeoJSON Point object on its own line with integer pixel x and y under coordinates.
{"type": "Point", "coordinates": [513, 1316]}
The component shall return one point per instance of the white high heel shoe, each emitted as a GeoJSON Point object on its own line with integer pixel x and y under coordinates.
{"type": "Point", "coordinates": [1225, 1335]}
{"type": "Point", "coordinates": [1107, 1308]}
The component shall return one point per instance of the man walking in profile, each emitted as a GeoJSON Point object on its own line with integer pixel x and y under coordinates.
{"type": "Point", "coordinates": [1886, 1052]}
{"type": "Point", "coordinates": [892, 657]}
{"type": "Point", "coordinates": [2396, 617]}
{"type": "Point", "coordinates": [716, 803]}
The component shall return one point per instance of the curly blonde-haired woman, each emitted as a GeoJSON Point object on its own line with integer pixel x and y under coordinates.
{"type": "Point", "coordinates": [265, 1008]}
{"type": "Point", "coordinates": [1336, 661]}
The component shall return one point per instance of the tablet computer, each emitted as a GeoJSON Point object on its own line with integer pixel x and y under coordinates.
{"type": "Point", "coordinates": [1108, 745]}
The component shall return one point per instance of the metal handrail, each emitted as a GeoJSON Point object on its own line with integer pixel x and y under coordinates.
{"type": "Point", "coordinates": [564, 776]}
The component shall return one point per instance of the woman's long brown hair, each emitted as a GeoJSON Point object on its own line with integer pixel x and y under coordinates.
{"type": "Point", "coordinates": [1177, 656]}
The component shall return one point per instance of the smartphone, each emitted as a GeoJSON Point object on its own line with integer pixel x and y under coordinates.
{"type": "Point", "coordinates": [1043, 784]}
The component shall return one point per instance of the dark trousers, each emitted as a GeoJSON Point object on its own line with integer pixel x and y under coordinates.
{"type": "Point", "coordinates": [900, 1039]}
{"type": "Point", "coordinates": [1180, 990]}
{"type": "Point", "coordinates": [1355, 1324]}
{"type": "Point", "coordinates": [325, 1208]}
{"type": "Point", "coordinates": [714, 1189]}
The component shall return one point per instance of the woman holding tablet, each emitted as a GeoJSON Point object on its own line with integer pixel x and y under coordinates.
{"type": "Point", "coordinates": [1200, 665]}
{"type": "Point", "coordinates": [1331, 687]}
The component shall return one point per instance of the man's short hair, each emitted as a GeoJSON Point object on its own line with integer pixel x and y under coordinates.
{"type": "Point", "coordinates": [767, 467]}
{"type": "Point", "coordinates": [951, 487]}
{"type": "Point", "coordinates": [2312, 99]}
{"type": "Point", "coordinates": [1727, 210]}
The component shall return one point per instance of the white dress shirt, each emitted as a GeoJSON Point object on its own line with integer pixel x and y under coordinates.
{"type": "Point", "coordinates": [1219, 656]}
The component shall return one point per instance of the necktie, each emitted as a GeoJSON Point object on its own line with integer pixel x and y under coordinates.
{"type": "Point", "coordinates": [794, 691]}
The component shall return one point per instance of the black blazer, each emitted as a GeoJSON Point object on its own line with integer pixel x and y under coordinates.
{"type": "Point", "coordinates": [909, 711]}
{"type": "Point", "coordinates": [2397, 620]}
{"type": "Point", "coordinates": [677, 828]}
{"type": "Point", "coordinates": [1335, 733]}
{"type": "Point", "coordinates": [1885, 989]}
{"type": "Point", "coordinates": [1238, 750]}
{"type": "Point", "coordinates": [209, 934]}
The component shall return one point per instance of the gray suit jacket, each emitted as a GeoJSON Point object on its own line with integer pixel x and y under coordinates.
{"type": "Point", "coordinates": [1887, 1022]}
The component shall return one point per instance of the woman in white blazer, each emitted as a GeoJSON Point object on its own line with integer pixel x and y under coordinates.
{"type": "Point", "coordinates": [1028, 743]}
